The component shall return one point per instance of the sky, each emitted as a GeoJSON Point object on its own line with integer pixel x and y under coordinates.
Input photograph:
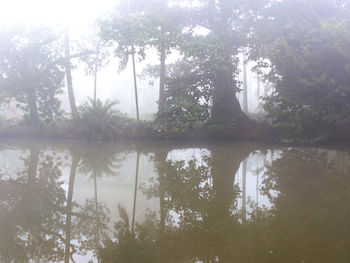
{"type": "Point", "coordinates": [76, 13]}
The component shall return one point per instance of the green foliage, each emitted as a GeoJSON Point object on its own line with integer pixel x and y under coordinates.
{"type": "Point", "coordinates": [100, 121]}
{"type": "Point", "coordinates": [129, 247]}
{"type": "Point", "coordinates": [307, 51]}
{"type": "Point", "coordinates": [187, 100]}
{"type": "Point", "coordinates": [135, 26]}
{"type": "Point", "coordinates": [296, 122]}
{"type": "Point", "coordinates": [29, 71]}
{"type": "Point", "coordinates": [29, 212]}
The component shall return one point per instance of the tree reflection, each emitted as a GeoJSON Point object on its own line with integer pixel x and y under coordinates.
{"type": "Point", "coordinates": [38, 220]}
{"type": "Point", "coordinates": [31, 218]}
{"type": "Point", "coordinates": [97, 160]}
{"type": "Point", "coordinates": [202, 196]}
{"type": "Point", "coordinates": [199, 219]}
{"type": "Point", "coordinates": [68, 227]}
{"type": "Point", "coordinates": [132, 247]}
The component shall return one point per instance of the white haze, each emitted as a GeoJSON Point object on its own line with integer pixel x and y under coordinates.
{"type": "Point", "coordinates": [80, 15]}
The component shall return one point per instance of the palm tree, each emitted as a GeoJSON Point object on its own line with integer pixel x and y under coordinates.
{"type": "Point", "coordinates": [122, 65]}
{"type": "Point", "coordinates": [135, 85]}
{"type": "Point", "coordinates": [68, 68]}
{"type": "Point", "coordinates": [245, 85]}
{"type": "Point", "coordinates": [96, 71]}
{"type": "Point", "coordinates": [74, 165]}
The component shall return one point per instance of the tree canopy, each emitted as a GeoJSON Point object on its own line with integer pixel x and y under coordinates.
{"type": "Point", "coordinates": [30, 71]}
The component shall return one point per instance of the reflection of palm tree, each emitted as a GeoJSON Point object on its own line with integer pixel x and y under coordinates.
{"type": "Point", "coordinates": [244, 195]}
{"type": "Point", "coordinates": [74, 165]}
{"type": "Point", "coordinates": [99, 160]}
{"type": "Point", "coordinates": [135, 191]}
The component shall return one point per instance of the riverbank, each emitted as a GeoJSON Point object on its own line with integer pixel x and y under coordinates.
{"type": "Point", "coordinates": [249, 130]}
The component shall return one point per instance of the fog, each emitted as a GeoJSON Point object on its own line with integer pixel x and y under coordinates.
{"type": "Point", "coordinates": [111, 84]}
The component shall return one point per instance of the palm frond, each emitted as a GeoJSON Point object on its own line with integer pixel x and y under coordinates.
{"type": "Point", "coordinates": [123, 61]}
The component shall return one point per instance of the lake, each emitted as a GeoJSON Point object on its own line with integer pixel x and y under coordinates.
{"type": "Point", "coordinates": [151, 201]}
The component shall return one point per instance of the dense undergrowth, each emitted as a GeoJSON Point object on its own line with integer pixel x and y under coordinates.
{"type": "Point", "coordinates": [100, 121]}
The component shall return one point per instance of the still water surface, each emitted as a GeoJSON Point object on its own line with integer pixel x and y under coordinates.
{"type": "Point", "coordinates": [69, 201]}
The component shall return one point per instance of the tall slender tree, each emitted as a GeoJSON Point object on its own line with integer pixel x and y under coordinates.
{"type": "Point", "coordinates": [245, 85]}
{"type": "Point", "coordinates": [135, 191]}
{"type": "Point", "coordinates": [69, 208]}
{"type": "Point", "coordinates": [96, 71]}
{"type": "Point", "coordinates": [139, 26]}
{"type": "Point", "coordinates": [69, 81]}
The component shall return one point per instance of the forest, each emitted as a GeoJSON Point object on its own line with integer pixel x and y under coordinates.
{"type": "Point", "coordinates": [298, 48]}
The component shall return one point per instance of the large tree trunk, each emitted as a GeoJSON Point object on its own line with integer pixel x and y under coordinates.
{"type": "Point", "coordinates": [33, 164]}
{"type": "Point", "coordinates": [75, 162]}
{"type": "Point", "coordinates": [226, 108]}
{"type": "Point", "coordinates": [226, 161]}
{"type": "Point", "coordinates": [68, 67]}
{"type": "Point", "coordinates": [33, 108]}
{"type": "Point", "coordinates": [162, 52]}
{"type": "Point", "coordinates": [258, 88]}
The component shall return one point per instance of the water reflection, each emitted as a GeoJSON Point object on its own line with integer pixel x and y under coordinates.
{"type": "Point", "coordinates": [218, 202]}
{"type": "Point", "coordinates": [32, 210]}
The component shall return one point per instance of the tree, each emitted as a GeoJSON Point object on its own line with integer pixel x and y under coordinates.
{"type": "Point", "coordinates": [29, 72]}
{"type": "Point", "coordinates": [225, 22]}
{"type": "Point", "coordinates": [93, 54]}
{"type": "Point", "coordinates": [69, 209]}
{"type": "Point", "coordinates": [69, 81]}
{"type": "Point", "coordinates": [245, 86]}
{"type": "Point", "coordinates": [215, 34]}
{"type": "Point", "coordinates": [187, 99]}
{"type": "Point", "coordinates": [309, 66]}
{"type": "Point", "coordinates": [146, 24]}
{"type": "Point", "coordinates": [88, 50]}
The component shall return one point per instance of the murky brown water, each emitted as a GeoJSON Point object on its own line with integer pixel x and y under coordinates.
{"type": "Point", "coordinates": [68, 201]}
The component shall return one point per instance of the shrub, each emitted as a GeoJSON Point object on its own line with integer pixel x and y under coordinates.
{"type": "Point", "coordinates": [100, 121]}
